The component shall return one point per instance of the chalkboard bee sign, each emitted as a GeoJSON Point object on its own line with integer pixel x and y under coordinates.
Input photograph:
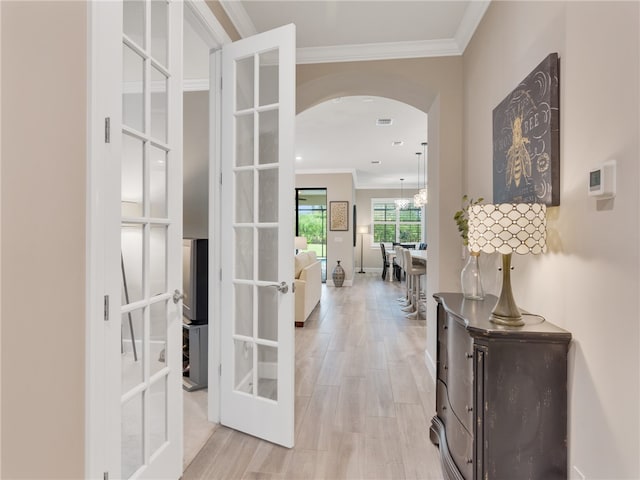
{"type": "Point", "coordinates": [526, 139]}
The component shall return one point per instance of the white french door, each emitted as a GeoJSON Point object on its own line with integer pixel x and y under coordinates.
{"type": "Point", "coordinates": [257, 212]}
{"type": "Point", "coordinates": [137, 46]}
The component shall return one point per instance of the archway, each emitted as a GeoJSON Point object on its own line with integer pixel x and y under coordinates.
{"type": "Point", "coordinates": [433, 85]}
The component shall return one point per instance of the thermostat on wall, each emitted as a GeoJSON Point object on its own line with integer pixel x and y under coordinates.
{"type": "Point", "coordinates": [602, 180]}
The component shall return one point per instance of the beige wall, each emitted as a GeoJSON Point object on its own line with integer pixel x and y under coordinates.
{"type": "Point", "coordinates": [588, 282]}
{"type": "Point", "coordinates": [339, 244]}
{"type": "Point", "coordinates": [196, 165]}
{"type": "Point", "coordinates": [43, 199]}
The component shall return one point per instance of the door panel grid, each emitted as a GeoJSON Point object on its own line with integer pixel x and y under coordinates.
{"type": "Point", "coordinates": [257, 327]}
{"type": "Point", "coordinates": [148, 228]}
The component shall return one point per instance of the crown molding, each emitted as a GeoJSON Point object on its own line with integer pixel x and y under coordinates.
{"type": "Point", "coordinates": [470, 21]}
{"type": "Point", "coordinates": [239, 17]}
{"type": "Point", "coordinates": [328, 171]}
{"type": "Point", "coordinates": [205, 23]}
{"type": "Point", "coordinates": [378, 51]}
{"type": "Point", "coordinates": [373, 51]}
{"type": "Point", "coordinates": [324, 171]}
{"type": "Point", "coordinates": [195, 84]}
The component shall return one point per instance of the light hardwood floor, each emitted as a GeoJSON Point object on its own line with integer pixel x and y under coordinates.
{"type": "Point", "coordinates": [364, 398]}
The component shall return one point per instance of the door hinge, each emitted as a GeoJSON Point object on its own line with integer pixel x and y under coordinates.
{"type": "Point", "coordinates": [106, 308]}
{"type": "Point", "coordinates": [220, 83]}
{"type": "Point", "coordinates": [107, 130]}
{"type": "Point", "coordinates": [105, 476]}
{"type": "Point", "coordinates": [220, 178]}
{"type": "Point", "coordinates": [219, 369]}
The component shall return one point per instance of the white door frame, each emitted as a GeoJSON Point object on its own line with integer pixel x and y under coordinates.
{"type": "Point", "coordinates": [99, 107]}
{"type": "Point", "coordinates": [215, 195]}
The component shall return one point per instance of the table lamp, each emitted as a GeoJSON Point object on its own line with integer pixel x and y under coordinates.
{"type": "Point", "coordinates": [300, 243]}
{"type": "Point", "coordinates": [362, 230]}
{"type": "Point", "coordinates": [508, 228]}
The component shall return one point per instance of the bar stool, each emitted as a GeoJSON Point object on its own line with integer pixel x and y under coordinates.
{"type": "Point", "coordinates": [407, 305]}
{"type": "Point", "coordinates": [414, 271]}
{"type": "Point", "coordinates": [400, 262]}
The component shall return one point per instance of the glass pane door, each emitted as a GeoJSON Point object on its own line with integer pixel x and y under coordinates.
{"type": "Point", "coordinates": [257, 235]}
{"type": "Point", "coordinates": [149, 228]}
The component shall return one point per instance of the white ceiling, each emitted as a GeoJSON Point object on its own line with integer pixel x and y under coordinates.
{"type": "Point", "coordinates": [345, 30]}
{"type": "Point", "coordinates": [340, 135]}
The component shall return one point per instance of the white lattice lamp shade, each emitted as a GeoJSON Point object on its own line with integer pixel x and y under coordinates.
{"type": "Point", "coordinates": [508, 228]}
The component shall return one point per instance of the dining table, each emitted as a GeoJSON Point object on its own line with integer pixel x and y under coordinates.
{"type": "Point", "coordinates": [420, 255]}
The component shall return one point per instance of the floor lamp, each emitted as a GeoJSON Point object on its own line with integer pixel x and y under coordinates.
{"type": "Point", "coordinates": [362, 230]}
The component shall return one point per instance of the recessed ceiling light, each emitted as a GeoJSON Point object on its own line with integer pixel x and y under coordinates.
{"type": "Point", "coordinates": [384, 122]}
{"type": "Point", "coordinates": [397, 143]}
{"type": "Point", "coordinates": [298, 158]}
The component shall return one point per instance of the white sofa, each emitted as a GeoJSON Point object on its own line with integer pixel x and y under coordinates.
{"type": "Point", "coordinates": [308, 284]}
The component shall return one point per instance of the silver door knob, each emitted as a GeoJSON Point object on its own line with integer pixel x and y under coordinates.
{"type": "Point", "coordinates": [282, 287]}
{"type": "Point", "coordinates": [177, 296]}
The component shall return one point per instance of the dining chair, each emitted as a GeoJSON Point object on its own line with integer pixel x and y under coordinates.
{"type": "Point", "coordinates": [385, 262]}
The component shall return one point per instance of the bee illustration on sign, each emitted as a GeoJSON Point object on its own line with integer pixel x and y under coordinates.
{"type": "Point", "coordinates": [526, 140]}
{"type": "Point", "coordinates": [518, 158]}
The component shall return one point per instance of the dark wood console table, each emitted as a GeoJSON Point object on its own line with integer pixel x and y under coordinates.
{"type": "Point", "coordinates": [501, 394]}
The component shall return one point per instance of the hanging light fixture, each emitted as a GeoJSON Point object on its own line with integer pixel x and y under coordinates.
{"type": "Point", "coordinates": [417, 199]}
{"type": "Point", "coordinates": [423, 191]}
{"type": "Point", "coordinates": [401, 203]}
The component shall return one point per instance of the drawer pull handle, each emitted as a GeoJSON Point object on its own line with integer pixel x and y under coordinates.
{"type": "Point", "coordinates": [446, 327]}
{"type": "Point", "coordinates": [469, 409]}
{"type": "Point", "coordinates": [444, 407]}
{"type": "Point", "coordinates": [469, 460]}
{"type": "Point", "coordinates": [446, 368]}
{"type": "Point", "coordinates": [469, 355]}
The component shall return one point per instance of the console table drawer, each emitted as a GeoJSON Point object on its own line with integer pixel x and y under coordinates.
{"type": "Point", "coordinates": [459, 441]}
{"type": "Point", "coordinates": [443, 362]}
{"type": "Point", "coordinates": [460, 367]}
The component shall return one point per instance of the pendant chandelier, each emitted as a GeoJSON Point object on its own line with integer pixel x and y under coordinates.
{"type": "Point", "coordinates": [417, 198]}
{"type": "Point", "coordinates": [423, 190]}
{"type": "Point", "coordinates": [401, 203]}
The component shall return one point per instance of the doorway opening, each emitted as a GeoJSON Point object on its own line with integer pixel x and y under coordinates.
{"type": "Point", "coordinates": [311, 222]}
{"type": "Point", "coordinates": [196, 350]}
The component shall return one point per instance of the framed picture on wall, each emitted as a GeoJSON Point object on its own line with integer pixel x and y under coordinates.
{"type": "Point", "coordinates": [526, 139]}
{"type": "Point", "coordinates": [354, 226]}
{"type": "Point", "coordinates": [339, 216]}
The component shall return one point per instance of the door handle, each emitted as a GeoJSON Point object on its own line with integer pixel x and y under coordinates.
{"type": "Point", "coordinates": [282, 287]}
{"type": "Point", "coordinates": [177, 296]}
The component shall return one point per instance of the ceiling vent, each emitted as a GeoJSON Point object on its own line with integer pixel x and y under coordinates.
{"type": "Point", "coordinates": [397, 143]}
{"type": "Point", "coordinates": [376, 162]}
{"type": "Point", "coordinates": [384, 122]}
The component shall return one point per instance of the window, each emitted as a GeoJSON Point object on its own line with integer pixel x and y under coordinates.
{"type": "Point", "coordinates": [392, 225]}
{"type": "Point", "coordinates": [311, 222]}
